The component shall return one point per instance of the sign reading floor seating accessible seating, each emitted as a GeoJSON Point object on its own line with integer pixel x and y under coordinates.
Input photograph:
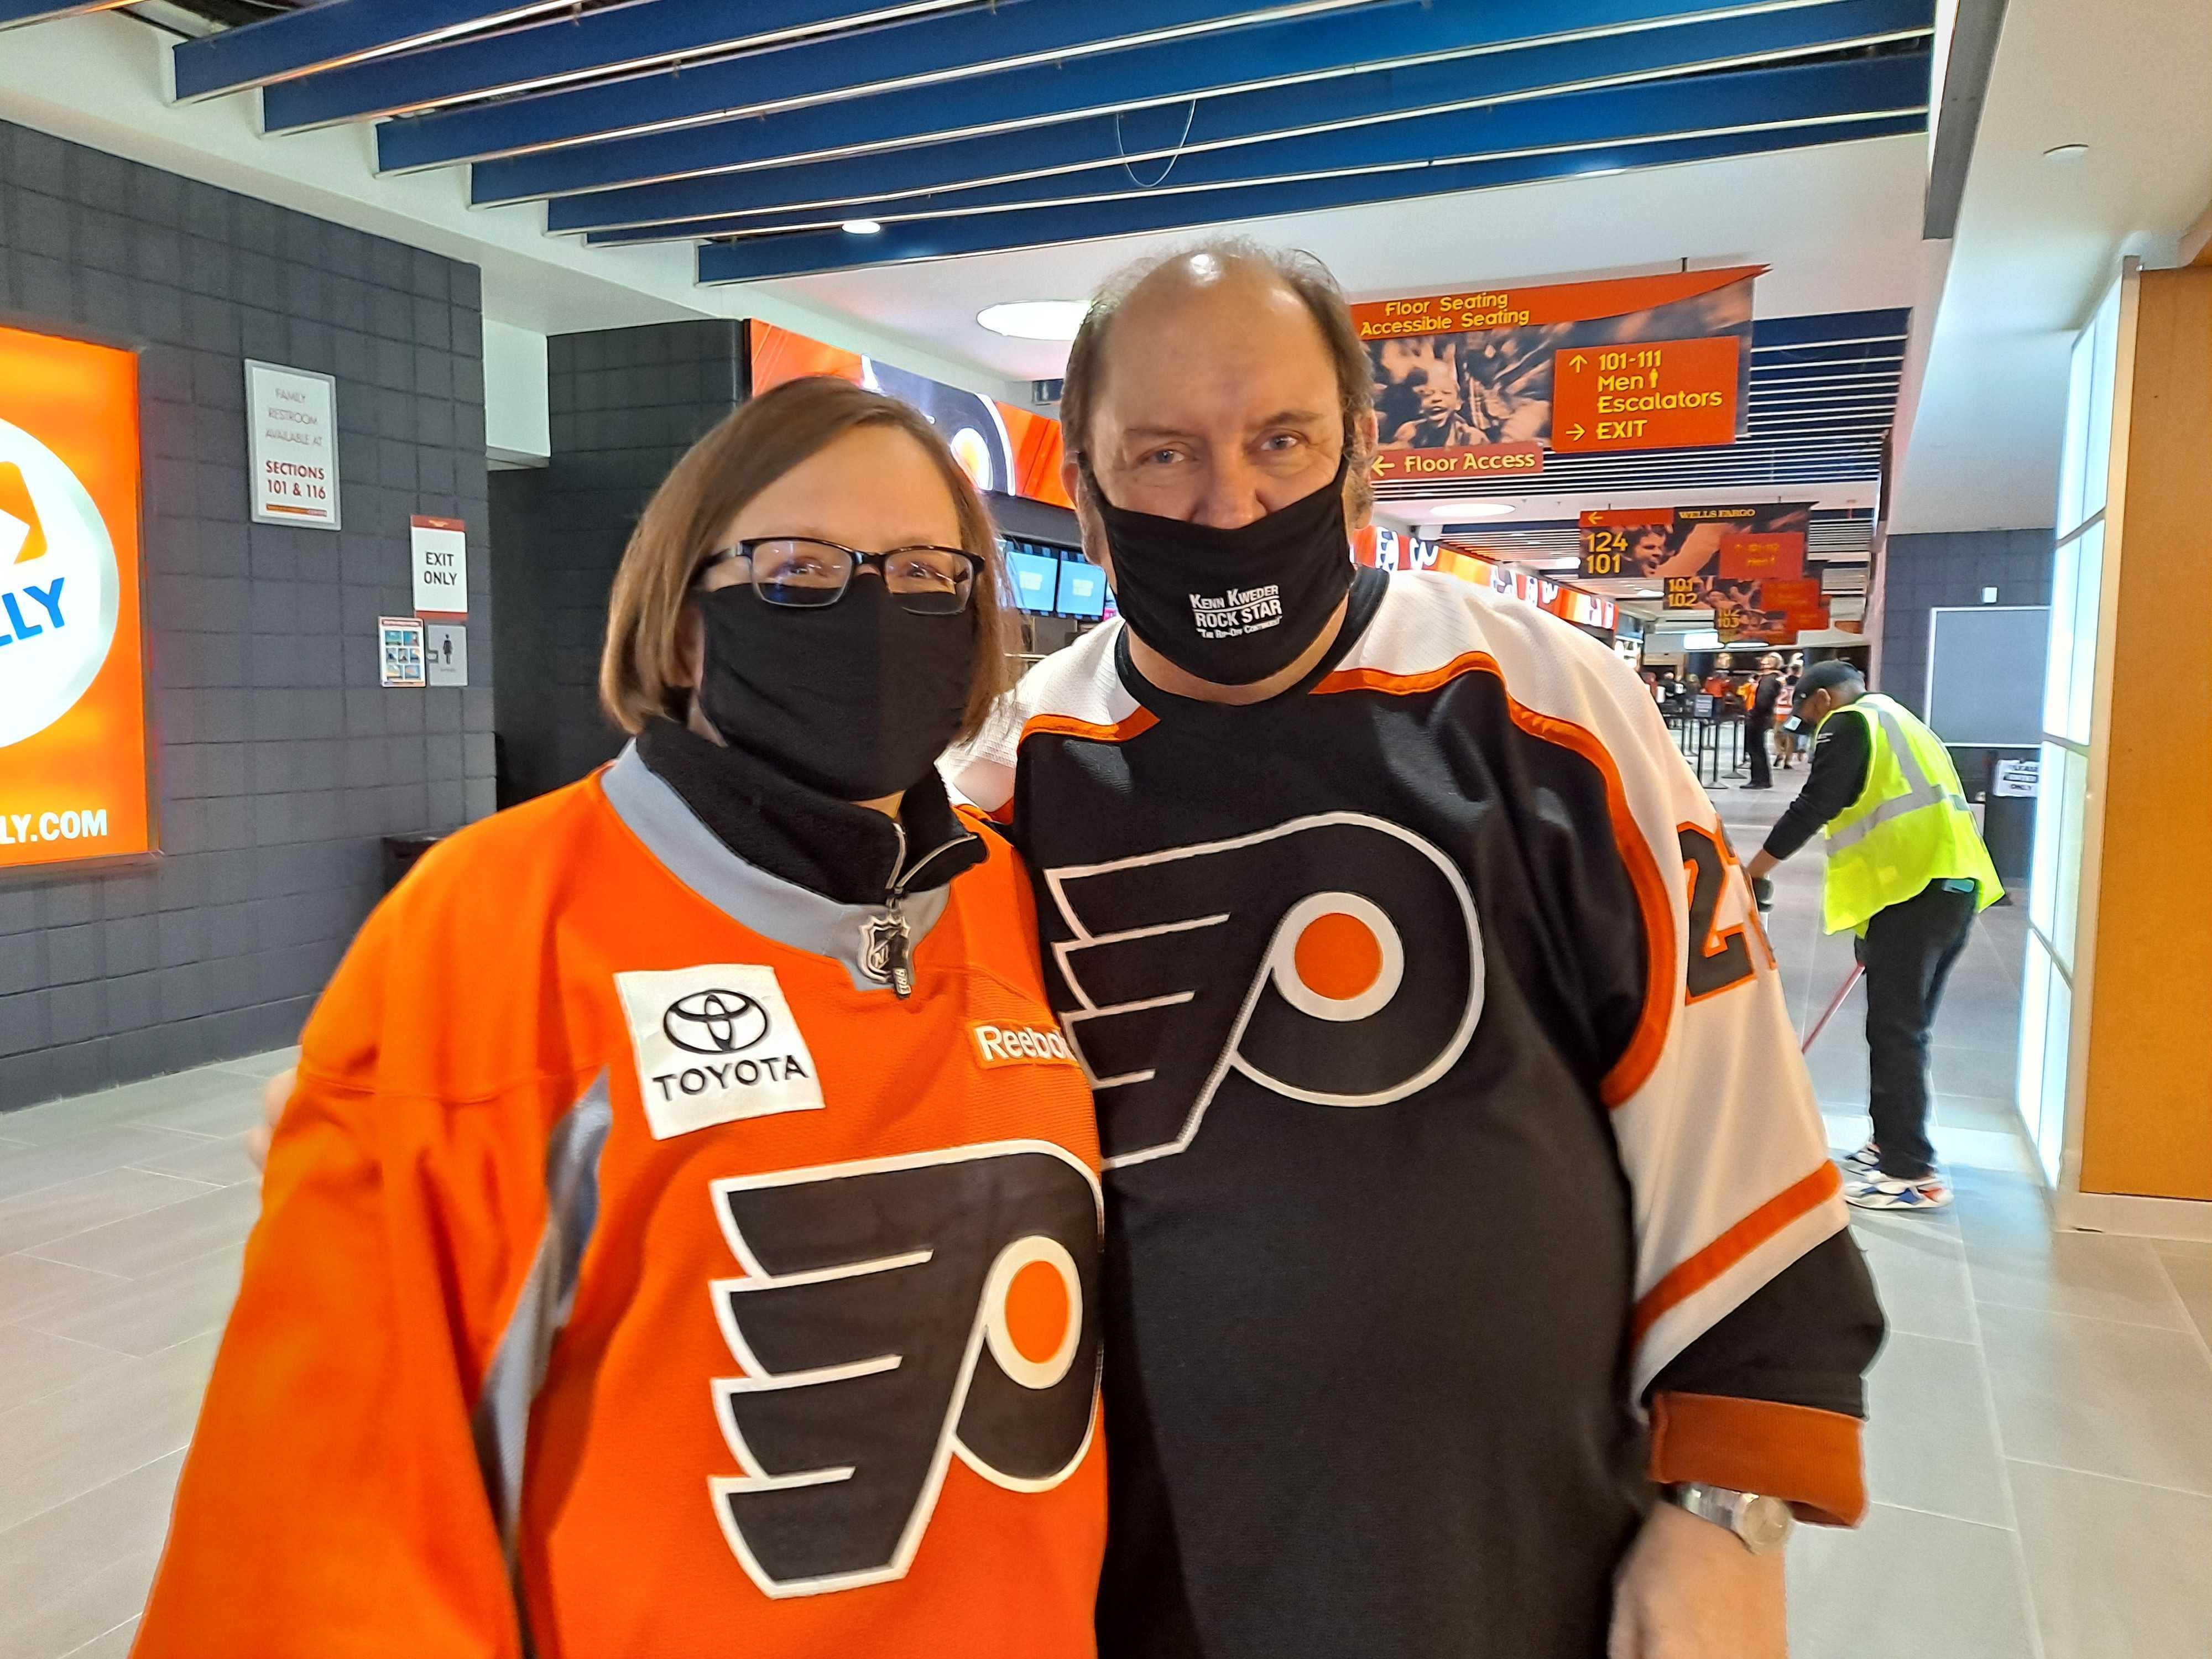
{"type": "Point", "coordinates": [72, 674]}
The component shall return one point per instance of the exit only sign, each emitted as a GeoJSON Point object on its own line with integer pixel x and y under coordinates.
{"type": "Point", "coordinates": [1656, 394]}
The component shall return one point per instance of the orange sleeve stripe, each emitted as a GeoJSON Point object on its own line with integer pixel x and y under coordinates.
{"type": "Point", "coordinates": [1808, 1457]}
{"type": "Point", "coordinates": [1732, 1245]}
{"type": "Point", "coordinates": [1067, 725]}
{"type": "Point", "coordinates": [1629, 1071]}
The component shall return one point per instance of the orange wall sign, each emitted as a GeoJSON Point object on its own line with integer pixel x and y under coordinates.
{"type": "Point", "coordinates": [72, 674]}
{"type": "Point", "coordinates": [1015, 452]}
{"type": "Point", "coordinates": [1657, 394]}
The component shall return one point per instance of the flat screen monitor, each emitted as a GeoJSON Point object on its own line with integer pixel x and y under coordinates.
{"type": "Point", "coordinates": [1036, 578]}
{"type": "Point", "coordinates": [1082, 587]}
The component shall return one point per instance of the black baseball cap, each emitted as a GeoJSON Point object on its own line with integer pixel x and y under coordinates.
{"type": "Point", "coordinates": [1825, 676]}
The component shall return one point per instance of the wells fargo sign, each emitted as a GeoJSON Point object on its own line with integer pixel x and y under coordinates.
{"type": "Point", "coordinates": [72, 675]}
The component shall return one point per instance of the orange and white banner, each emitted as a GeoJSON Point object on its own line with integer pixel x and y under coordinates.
{"type": "Point", "coordinates": [73, 779]}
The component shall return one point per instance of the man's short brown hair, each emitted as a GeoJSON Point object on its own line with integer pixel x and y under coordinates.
{"type": "Point", "coordinates": [1296, 271]}
{"type": "Point", "coordinates": [640, 670]}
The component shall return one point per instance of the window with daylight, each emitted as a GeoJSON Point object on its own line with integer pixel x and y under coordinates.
{"type": "Point", "coordinates": [2068, 695]}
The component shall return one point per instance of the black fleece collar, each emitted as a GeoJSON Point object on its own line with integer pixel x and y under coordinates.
{"type": "Point", "coordinates": [845, 853]}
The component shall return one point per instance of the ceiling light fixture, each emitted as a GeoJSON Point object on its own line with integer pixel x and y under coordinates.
{"type": "Point", "coordinates": [862, 228]}
{"type": "Point", "coordinates": [1483, 510]}
{"type": "Point", "coordinates": [1034, 320]}
{"type": "Point", "coordinates": [2067, 155]}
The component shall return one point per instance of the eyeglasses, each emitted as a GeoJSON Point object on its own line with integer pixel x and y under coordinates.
{"type": "Point", "coordinates": [807, 574]}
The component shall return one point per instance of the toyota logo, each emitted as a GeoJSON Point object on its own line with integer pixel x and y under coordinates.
{"type": "Point", "coordinates": [715, 1023]}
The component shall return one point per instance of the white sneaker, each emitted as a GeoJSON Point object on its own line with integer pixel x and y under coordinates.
{"type": "Point", "coordinates": [1877, 1191]}
{"type": "Point", "coordinates": [1866, 1161]}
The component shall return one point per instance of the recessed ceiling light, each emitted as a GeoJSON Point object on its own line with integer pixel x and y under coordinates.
{"type": "Point", "coordinates": [1034, 320]}
{"type": "Point", "coordinates": [1483, 510]}
{"type": "Point", "coordinates": [2066, 154]}
{"type": "Point", "coordinates": [862, 228]}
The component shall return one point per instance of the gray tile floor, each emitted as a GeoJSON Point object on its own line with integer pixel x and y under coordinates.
{"type": "Point", "coordinates": [2040, 1450]}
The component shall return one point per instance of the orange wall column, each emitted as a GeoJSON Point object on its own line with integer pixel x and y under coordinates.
{"type": "Point", "coordinates": [2147, 1108]}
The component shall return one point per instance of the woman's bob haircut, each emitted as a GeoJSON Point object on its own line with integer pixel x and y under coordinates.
{"type": "Point", "coordinates": [640, 671]}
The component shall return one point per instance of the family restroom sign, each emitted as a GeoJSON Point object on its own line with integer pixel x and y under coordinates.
{"type": "Point", "coordinates": [291, 429]}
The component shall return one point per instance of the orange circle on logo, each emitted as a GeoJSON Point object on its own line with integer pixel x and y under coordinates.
{"type": "Point", "coordinates": [1037, 1312]}
{"type": "Point", "coordinates": [1339, 957]}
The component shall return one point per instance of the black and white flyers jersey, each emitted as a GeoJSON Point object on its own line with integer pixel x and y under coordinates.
{"type": "Point", "coordinates": [1462, 1175]}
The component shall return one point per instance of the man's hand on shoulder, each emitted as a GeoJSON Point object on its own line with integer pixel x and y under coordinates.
{"type": "Point", "coordinates": [1689, 1590]}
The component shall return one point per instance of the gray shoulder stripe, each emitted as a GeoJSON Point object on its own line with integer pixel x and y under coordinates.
{"type": "Point", "coordinates": [770, 906]}
{"type": "Point", "coordinates": [501, 1422]}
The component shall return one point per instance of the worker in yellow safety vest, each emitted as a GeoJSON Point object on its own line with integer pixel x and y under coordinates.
{"type": "Point", "coordinates": [1907, 871]}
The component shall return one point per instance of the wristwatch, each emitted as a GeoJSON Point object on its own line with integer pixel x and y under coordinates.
{"type": "Point", "coordinates": [1764, 1523]}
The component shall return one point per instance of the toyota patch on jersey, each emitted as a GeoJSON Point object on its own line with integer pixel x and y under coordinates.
{"type": "Point", "coordinates": [715, 1044]}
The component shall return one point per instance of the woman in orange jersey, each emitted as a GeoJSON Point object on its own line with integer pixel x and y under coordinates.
{"type": "Point", "coordinates": [682, 1235]}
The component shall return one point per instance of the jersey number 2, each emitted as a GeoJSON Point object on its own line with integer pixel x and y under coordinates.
{"type": "Point", "coordinates": [1717, 961]}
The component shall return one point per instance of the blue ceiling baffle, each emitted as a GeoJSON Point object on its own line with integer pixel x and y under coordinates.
{"type": "Point", "coordinates": [1228, 123]}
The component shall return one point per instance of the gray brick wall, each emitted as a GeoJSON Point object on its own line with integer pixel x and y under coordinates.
{"type": "Point", "coordinates": [281, 763]}
{"type": "Point", "coordinates": [624, 405]}
{"type": "Point", "coordinates": [1920, 573]}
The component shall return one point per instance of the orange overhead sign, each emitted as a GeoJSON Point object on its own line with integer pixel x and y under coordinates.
{"type": "Point", "coordinates": [1658, 394]}
{"type": "Point", "coordinates": [72, 674]}
{"type": "Point", "coordinates": [1514, 461]}
{"type": "Point", "coordinates": [1538, 305]}
{"type": "Point", "coordinates": [1781, 553]}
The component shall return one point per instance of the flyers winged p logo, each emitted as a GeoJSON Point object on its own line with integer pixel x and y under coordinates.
{"type": "Point", "coordinates": [896, 1314]}
{"type": "Point", "coordinates": [1334, 959]}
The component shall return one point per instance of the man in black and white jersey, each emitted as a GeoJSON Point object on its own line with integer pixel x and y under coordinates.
{"type": "Point", "coordinates": [1466, 1197]}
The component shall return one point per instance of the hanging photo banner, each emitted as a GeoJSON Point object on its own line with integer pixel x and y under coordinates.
{"type": "Point", "coordinates": [1015, 452]}
{"type": "Point", "coordinates": [292, 445]}
{"type": "Point", "coordinates": [1770, 612]}
{"type": "Point", "coordinates": [1655, 544]}
{"type": "Point", "coordinates": [1484, 367]}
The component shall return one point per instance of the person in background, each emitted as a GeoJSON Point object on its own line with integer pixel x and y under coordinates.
{"type": "Point", "coordinates": [1907, 871]}
{"type": "Point", "coordinates": [683, 1238]}
{"type": "Point", "coordinates": [1758, 719]}
{"type": "Point", "coordinates": [1785, 730]}
{"type": "Point", "coordinates": [1478, 1286]}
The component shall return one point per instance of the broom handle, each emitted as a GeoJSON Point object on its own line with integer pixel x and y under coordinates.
{"type": "Point", "coordinates": [1842, 992]}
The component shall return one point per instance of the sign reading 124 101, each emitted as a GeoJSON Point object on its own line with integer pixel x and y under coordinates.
{"type": "Point", "coordinates": [292, 446]}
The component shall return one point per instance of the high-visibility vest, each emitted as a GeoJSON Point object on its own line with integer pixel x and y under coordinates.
{"type": "Point", "coordinates": [1909, 827]}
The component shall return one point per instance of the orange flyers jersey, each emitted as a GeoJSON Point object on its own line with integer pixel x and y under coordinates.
{"type": "Point", "coordinates": [632, 1281]}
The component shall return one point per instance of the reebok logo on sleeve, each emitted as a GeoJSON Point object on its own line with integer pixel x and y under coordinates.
{"type": "Point", "coordinates": [1019, 1045]}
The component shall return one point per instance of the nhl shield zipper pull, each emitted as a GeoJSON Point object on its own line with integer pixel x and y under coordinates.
{"type": "Point", "coordinates": [899, 958]}
{"type": "Point", "coordinates": [887, 951]}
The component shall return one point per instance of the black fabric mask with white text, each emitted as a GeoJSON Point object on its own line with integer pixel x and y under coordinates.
{"type": "Point", "coordinates": [1231, 607]}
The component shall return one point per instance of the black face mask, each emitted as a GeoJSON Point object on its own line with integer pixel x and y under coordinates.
{"type": "Point", "coordinates": [856, 699]}
{"type": "Point", "coordinates": [1231, 607]}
